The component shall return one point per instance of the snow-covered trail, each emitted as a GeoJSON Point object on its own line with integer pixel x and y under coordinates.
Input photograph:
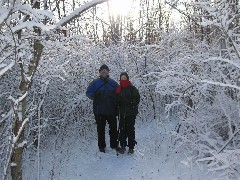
{"type": "Point", "coordinates": [72, 158]}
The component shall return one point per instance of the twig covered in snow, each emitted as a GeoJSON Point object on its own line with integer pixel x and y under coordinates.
{"type": "Point", "coordinates": [78, 12]}
{"type": "Point", "coordinates": [220, 84]}
{"type": "Point", "coordinates": [7, 68]}
{"type": "Point", "coordinates": [229, 140]}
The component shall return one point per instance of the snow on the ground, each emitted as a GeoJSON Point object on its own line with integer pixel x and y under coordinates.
{"type": "Point", "coordinates": [71, 157]}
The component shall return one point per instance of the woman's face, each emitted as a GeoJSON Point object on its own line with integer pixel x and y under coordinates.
{"type": "Point", "coordinates": [123, 77]}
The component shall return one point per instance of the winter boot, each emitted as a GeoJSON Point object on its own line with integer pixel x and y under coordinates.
{"type": "Point", "coordinates": [130, 151]}
{"type": "Point", "coordinates": [116, 148]}
{"type": "Point", "coordinates": [122, 150]}
{"type": "Point", "coordinates": [102, 150]}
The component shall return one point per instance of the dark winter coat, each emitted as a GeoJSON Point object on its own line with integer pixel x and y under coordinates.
{"type": "Point", "coordinates": [102, 92]}
{"type": "Point", "coordinates": [128, 101]}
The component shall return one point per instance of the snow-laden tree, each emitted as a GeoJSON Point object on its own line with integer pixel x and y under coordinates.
{"type": "Point", "coordinates": [21, 50]}
{"type": "Point", "coordinates": [224, 75]}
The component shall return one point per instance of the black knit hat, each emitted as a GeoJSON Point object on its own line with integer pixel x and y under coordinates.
{"type": "Point", "coordinates": [104, 66]}
{"type": "Point", "coordinates": [124, 73]}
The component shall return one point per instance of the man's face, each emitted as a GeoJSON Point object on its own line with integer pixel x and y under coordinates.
{"type": "Point", "coordinates": [104, 73]}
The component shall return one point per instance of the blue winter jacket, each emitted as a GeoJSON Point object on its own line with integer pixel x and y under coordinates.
{"type": "Point", "coordinates": [102, 92]}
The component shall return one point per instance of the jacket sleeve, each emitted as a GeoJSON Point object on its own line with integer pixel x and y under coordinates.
{"type": "Point", "coordinates": [136, 96]}
{"type": "Point", "coordinates": [91, 90]}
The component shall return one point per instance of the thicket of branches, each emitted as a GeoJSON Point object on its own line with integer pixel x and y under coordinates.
{"type": "Point", "coordinates": [208, 95]}
{"type": "Point", "coordinates": [194, 73]}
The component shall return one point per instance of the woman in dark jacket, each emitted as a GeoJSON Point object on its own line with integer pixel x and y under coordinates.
{"type": "Point", "coordinates": [127, 99]}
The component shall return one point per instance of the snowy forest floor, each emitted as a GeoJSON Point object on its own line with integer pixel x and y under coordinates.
{"type": "Point", "coordinates": [71, 157]}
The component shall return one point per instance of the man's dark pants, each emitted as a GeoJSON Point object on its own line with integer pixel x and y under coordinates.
{"type": "Point", "coordinates": [101, 124]}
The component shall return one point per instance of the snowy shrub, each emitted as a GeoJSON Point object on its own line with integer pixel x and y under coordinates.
{"type": "Point", "coordinates": [205, 85]}
{"type": "Point", "coordinates": [225, 163]}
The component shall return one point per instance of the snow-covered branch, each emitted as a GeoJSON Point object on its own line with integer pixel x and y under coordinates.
{"type": "Point", "coordinates": [16, 101]}
{"type": "Point", "coordinates": [229, 140]}
{"type": "Point", "coordinates": [78, 12]}
{"type": "Point", "coordinates": [8, 67]}
{"type": "Point", "coordinates": [5, 116]}
{"type": "Point", "coordinates": [220, 84]}
{"type": "Point", "coordinates": [223, 60]}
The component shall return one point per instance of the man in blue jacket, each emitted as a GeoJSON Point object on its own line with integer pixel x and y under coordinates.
{"type": "Point", "coordinates": [102, 92]}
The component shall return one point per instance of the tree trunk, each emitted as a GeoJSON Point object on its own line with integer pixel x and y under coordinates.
{"type": "Point", "coordinates": [16, 166]}
{"type": "Point", "coordinates": [20, 112]}
{"type": "Point", "coordinates": [20, 108]}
